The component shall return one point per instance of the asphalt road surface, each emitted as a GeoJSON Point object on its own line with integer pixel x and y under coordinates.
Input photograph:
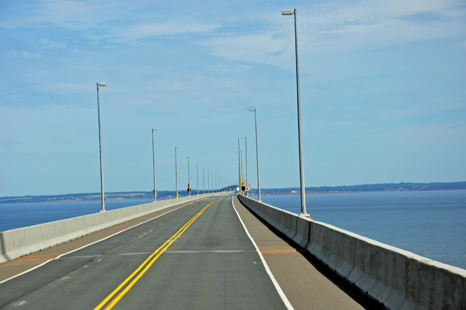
{"type": "Point", "coordinates": [196, 257]}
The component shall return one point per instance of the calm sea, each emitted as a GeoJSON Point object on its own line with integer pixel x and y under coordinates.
{"type": "Point", "coordinates": [431, 224]}
{"type": "Point", "coordinates": [16, 215]}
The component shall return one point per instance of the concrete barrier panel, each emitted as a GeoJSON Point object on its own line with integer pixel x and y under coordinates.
{"type": "Point", "coordinates": [3, 257]}
{"type": "Point", "coordinates": [303, 232]}
{"type": "Point", "coordinates": [397, 278]}
{"type": "Point", "coordinates": [26, 240]}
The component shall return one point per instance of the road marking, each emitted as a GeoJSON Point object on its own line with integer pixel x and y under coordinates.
{"type": "Point", "coordinates": [210, 251]}
{"type": "Point", "coordinates": [275, 283]}
{"type": "Point", "coordinates": [139, 272]}
{"type": "Point", "coordinates": [92, 243]}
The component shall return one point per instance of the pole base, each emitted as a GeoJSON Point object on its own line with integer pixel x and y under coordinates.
{"type": "Point", "coordinates": [305, 215]}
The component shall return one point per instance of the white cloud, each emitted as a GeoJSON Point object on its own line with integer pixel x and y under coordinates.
{"type": "Point", "coordinates": [404, 7]}
{"type": "Point", "coordinates": [66, 14]}
{"type": "Point", "coordinates": [332, 27]}
{"type": "Point", "coordinates": [229, 68]}
{"type": "Point", "coordinates": [262, 49]}
{"type": "Point", "coordinates": [93, 19]}
{"type": "Point", "coordinates": [168, 28]}
{"type": "Point", "coordinates": [53, 44]}
{"type": "Point", "coordinates": [27, 55]}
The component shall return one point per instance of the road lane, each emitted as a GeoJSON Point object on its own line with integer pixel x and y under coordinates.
{"type": "Point", "coordinates": [113, 298]}
{"type": "Point", "coordinates": [87, 276]}
{"type": "Point", "coordinates": [212, 265]}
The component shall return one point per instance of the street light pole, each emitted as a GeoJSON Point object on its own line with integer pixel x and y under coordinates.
{"type": "Point", "coordinates": [246, 150]}
{"type": "Point", "coordinates": [198, 178]}
{"type": "Point", "coordinates": [176, 172]}
{"type": "Point", "coordinates": [239, 167]}
{"type": "Point", "coordinates": [208, 180]}
{"type": "Point", "coordinates": [301, 164]}
{"type": "Point", "coordinates": [102, 195]}
{"type": "Point", "coordinates": [153, 163]}
{"type": "Point", "coordinates": [203, 179]}
{"type": "Point", "coordinates": [257, 156]}
{"type": "Point", "coordinates": [189, 179]}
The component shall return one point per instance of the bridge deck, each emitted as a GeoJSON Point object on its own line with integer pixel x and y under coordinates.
{"type": "Point", "coordinates": [199, 258]}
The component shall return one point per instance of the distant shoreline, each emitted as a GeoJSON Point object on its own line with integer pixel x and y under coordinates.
{"type": "Point", "coordinates": [365, 188]}
{"type": "Point", "coordinates": [355, 192]}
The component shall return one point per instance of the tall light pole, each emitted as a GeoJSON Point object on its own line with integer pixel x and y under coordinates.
{"type": "Point", "coordinates": [239, 166]}
{"type": "Point", "coordinates": [257, 156]}
{"type": "Point", "coordinates": [189, 179]}
{"type": "Point", "coordinates": [246, 151]}
{"type": "Point", "coordinates": [301, 164]}
{"type": "Point", "coordinates": [176, 172]}
{"type": "Point", "coordinates": [198, 178]}
{"type": "Point", "coordinates": [208, 180]}
{"type": "Point", "coordinates": [242, 171]}
{"type": "Point", "coordinates": [153, 163]}
{"type": "Point", "coordinates": [102, 195]}
{"type": "Point", "coordinates": [203, 179]}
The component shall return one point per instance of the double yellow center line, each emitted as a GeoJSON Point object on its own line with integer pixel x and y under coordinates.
{"type": "Point", "coordinates": [141, 270]}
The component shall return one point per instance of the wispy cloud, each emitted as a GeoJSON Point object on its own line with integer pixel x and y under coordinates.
{"type": "Point", "coordinates": [262, 49]}
{"type": "Point", "coordinates": [27, 55]}
{"type": "Point", "coordinates": [228, 68]}
{"type": "Point", "coordinates": [331, 27]}
{"type": "Point", "coordinates": [54, 44]}
{"type": "Point", "coordinates": [65, 14]}
{"type": "Point", "coordinates": [159, 29]}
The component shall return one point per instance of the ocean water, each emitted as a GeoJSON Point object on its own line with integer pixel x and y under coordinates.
{"type": "Point", "coordinates": [16, 215]}
{"type": "Point", "coordinates": [429, 223]}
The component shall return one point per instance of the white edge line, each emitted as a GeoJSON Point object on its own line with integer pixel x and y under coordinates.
{"type": "Point", "coordinates": [85, 246]}
{"type": "Point", "coordinates": [275, 283]}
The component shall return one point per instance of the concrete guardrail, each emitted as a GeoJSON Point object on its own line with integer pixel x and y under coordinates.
{"type": "Point", "coordinates": [22, 241]}
{"type": "Point", "coordinates": [396, 278]}
{"type": "Point", "coordinates": [3, 258]}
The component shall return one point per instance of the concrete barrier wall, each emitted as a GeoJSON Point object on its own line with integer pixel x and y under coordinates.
{"type": "Point", "coordinates": [396, 278]}
{"type": "Point", "coordinates": [3, 258]}
{"type": "Point", "coordinates": [22, 241]}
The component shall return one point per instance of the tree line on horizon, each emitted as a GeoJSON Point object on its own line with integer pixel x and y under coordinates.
{"type": "Point", "coordinates": [170, 194]}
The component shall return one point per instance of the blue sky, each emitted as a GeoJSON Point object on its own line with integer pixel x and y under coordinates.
{"type": "Point", "coordinates": [383, 92]}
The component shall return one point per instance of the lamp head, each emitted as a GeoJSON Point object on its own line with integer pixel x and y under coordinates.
{"type": "Point", "coordinates": [287, 12]}
{"type": "Point", "coordinates": [101, 84]}
{"type": "Point", "coordinates": [154, 129]}
{"type": "Point", "coordinates": [252, 110]}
